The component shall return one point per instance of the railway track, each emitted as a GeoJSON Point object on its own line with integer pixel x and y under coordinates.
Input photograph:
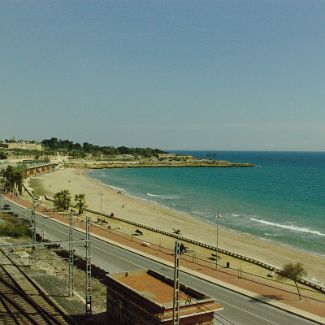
{"type": "Point", "coordinates": [22, 301]}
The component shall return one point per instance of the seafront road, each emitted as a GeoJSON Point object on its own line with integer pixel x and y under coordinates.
{"type": "Point", "coordinates": [238, 309]}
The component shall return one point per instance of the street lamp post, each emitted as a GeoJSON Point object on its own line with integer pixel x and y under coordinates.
{"type": "Point", "coordinates": [217, 216]}
{"type": "Point", "coordinates": [101, 202]}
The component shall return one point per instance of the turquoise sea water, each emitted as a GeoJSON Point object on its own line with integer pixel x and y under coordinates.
{"type": "Point", "coordinates": [282, 198]}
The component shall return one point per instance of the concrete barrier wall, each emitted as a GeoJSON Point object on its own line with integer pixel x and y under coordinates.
{"type": "Point", "coordinates": [40, 169]}
{"type": "Point", "coordinates": [27, 190]}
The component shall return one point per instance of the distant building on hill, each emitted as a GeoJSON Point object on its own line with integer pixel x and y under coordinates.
{"type": "Point", "coordinates": [146, 297]}
{"type": "Point", "coordinates": [21, 145]}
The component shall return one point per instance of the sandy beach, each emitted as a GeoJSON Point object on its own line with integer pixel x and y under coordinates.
{"type": "Point", "coordinates": [110, 200]}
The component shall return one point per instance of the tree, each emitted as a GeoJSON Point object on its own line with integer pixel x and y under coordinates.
{"type": "Point", "coordinates": [177, 231]}
{"type": "Point", "coordinates": [77, 150]}
{"type": "Point", "coordinates": [294, 272]}
{"type": "Point", "coordinates": [80, 202]}
{"type": "Point", "coordinates": [123, 150]}
{"type": "Point", "coordinates": [9, 182]}
{"type": "Point", "coordinates": [14, 177]}
{"type": "Point", "coordinates": [3, 155]}
{"type": "Point", "coordinates": [19, 175]}
{"type": "Point", "coordinates": [51, 143]}
{"type": "Point", "coordinates": [74, 153]}
{"type": "Point", "coordinates": [62, 200]}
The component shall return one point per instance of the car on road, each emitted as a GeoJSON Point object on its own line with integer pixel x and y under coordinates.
{"type": "Point", "coordinates": [6, 207]}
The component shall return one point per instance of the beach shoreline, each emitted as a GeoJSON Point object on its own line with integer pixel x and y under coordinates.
{"type": "Point", "coordinates": [112, 200]}
{"type": "Point", "coordinates": [199, 218]}
{"type": "Point", "coordinates": [206, 221]}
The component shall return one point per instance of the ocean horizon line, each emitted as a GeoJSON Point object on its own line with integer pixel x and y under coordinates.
{"type": "Point", "coordinates": [240, 150]}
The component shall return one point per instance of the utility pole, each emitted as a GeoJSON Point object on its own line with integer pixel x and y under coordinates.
{"type": "Point", "coordinates": [176, 285]}
{"type": "Point", "coordinates": [33, 222]}
{"type": "Point", "coordinates": [0, 193]}
{"type": "Point", "coordinates": [71, 257]}
{"type": "Point", "coordinates": [88, 269]}
{"type": "Point", "coordinates": [33, 229]}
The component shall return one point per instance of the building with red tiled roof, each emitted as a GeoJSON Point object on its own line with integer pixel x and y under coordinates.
{"type": "Point", "coordinates": [145, 297]}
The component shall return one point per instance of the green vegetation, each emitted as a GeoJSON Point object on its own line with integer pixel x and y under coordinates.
{"type": "Point", "coordinates": [95, 156]}
{"type": "Point", "coordinates": [12, 226]}
{"type": "Point", "coordinates": [55, 146]}
{"type": "Point", "coordinates": [37, 186]}
{"type": "Point", "coordinates": [62, 200]}
{"type": "Point", "coordinates": [3, 155]}
{"type": "Point", "coordinates": [177, 231]}
{"type": "Point", "coordinates": [294, 272]}
{"type": "Point", "coordinates": [80, 202]}
{"type": "Point", "coordinates": [76, 150]}
{"type": "Point", "coordinates": [13, 178]}
{"type": "Point", "coordinates": [21, 153]}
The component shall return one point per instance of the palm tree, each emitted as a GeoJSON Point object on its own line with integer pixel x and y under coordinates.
{"type": "Point", "coordinates": [62, 200]}
{"type": "Point", "coordinates": [80, 202]}
{"type": "Point", "coordinates": [177, 231]}
{"type": "Point", "coordinates": [294, 272]}
{"type": "Point", "coordinates": [14, 177]}
{"type": "Point", "coordinates": [9, 182]}
{"type": "Point", "coordinates": [19, 174]}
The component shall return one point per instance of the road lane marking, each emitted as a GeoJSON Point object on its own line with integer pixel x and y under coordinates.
{"type": "Point", "coordinates": [93, 246]}
{"type": "Point", "coordinates": [100, 249]}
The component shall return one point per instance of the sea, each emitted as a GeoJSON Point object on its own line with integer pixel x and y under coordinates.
{"type": "Point", "coordinates": [281, 199]}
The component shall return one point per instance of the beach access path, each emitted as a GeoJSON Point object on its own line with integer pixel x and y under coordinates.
{"type": "Point", "coordinates": [278, 296]}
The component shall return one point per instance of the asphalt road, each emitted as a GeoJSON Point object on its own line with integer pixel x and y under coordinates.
{"type": "Point", "coordinates": [238, 309]}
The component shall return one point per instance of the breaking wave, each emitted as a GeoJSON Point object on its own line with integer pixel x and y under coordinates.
{"type": "Point", "coordinates": [164, 197]}
{"type": "Point", "coordinates": [267, 234]}
{"type": "Point", "coordinates": [117, 188]}
{"type": "Point", "coordinates": [289, 227]}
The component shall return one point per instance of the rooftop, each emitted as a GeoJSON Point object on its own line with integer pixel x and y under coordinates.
{"type": "Point", "coordinates": [151, 287]}
{"type": "Point", "coordinates": [158, 289]}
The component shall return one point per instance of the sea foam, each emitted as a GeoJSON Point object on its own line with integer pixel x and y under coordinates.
{"type": "Point", "coordinates": [117, 188]}
{"type": "Point", "coordinates": [290, 227]}
{"type": "Point", "coordinates": [164, 197]}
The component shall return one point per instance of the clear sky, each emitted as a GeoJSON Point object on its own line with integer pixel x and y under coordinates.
{"type": "Point", "coordinates": [237, 75]}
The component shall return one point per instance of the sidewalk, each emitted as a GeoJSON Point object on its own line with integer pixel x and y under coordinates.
{"type": "Point", "coordinates": [280, 297]}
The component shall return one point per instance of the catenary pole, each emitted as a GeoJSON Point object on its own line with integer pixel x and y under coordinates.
{"type": "Point", "coordinates": [71, 257]}
{"type": "Point", "coordinates": [176, 285]}
{"type": "Point", "coordinates": [88, 270]}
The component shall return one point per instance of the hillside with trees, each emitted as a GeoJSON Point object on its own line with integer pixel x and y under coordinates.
{"type": "Point", "coordinates": [54, 146]}
{"type": "Point", "coordinates": [87, 155]}
{"type": "Point", "coordinates": [77, 150]}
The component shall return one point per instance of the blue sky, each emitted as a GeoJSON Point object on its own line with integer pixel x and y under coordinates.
{"type": "Point", "coordinates": [237, 75]}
